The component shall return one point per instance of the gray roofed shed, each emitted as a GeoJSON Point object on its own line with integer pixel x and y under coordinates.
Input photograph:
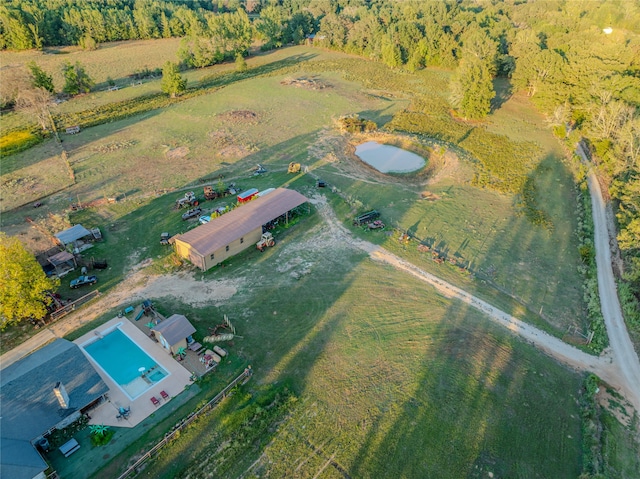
{"type": "Point", "coordinates": [224, 229]}
{"type": "Point", "coordinates": [61, 258]}
{"type": "Point", "coordinates": [30, 407]}
{"type": "Point", "coordinates": [174, 329]}
{"type": "Point", "coordinates": [72, 234]}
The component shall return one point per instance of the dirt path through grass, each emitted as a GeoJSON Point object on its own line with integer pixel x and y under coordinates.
{"type": "Point", "coordinates": [616, 366]}
{"type": "Point", "coordinates": [612, 366]}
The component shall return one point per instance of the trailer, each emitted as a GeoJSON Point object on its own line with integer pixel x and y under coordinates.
{"type": "Point", "coordinates": [248, 195]}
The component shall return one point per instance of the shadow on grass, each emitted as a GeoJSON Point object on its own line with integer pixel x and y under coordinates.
{"type": "Point", "coordinates": [504, 91]}
{"type": "Point", "coordinates": [486, 403]}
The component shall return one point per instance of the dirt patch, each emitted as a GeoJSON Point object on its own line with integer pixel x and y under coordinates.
{"type": "Point", "coordinates": [427, 195]}
{"type": "Point", "coordinates": [308, 83]}
{"type": "Point", "coordinates": [239, 116]}
{"type": "Point", "coordinates": [616, 405]}
{"type": "Point", "coordinates": [177, 153]}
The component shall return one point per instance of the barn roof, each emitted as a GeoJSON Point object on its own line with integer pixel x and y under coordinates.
{"type": "Point", "coordinates": [71, 234]}
{"type": "Point", "coordinates": [231, 226]}
{"type": "Point", "coordinates": [175, 328]}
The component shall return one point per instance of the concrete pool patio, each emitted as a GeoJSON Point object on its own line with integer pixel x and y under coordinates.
{"type": "Point", "coordinates": [141, 407]}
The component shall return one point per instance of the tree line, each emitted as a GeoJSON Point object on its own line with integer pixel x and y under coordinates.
{"type": "Point", "coordinates": [578, 61]}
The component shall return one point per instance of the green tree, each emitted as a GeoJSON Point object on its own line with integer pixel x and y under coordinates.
{"type": "Point", "coordinates": [23, 284]}
{"type": "Point", "coordinates": [232, 30]}
{"type": "Point", "coordinates": [241, 63]}
{"type": "Point", "coordinates": [172, 82]}
{"type": "Point", "coordinates": [391, 53]}
{"type": "Point", "coordinates": [40, 78]}
{"type": "Point", "coordinates": [472, 89]}
{"type": "Point", "coordinates": [87, 42]}
{"type": "Point", "coordinates": [76, 79]}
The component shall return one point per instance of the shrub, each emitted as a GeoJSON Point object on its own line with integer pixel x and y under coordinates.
{"type": "Point", "coordinates": [16, 141]}
{"type": "Point", "coordinates": [355, 124]}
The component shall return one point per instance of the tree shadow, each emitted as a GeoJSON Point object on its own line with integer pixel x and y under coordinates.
{"type": "Point", "coordinates": [504, 91]}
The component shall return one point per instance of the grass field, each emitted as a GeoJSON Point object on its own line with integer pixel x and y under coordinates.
{"type": "Point", "coordinates": [391, 378]}
{"type": "Point", "coordinates": [358, 368]}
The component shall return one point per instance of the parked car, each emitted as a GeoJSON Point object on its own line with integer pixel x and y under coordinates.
{"type": "Point", "coordinates": [204, 219]}
{"type": "Point", "coordinates": [82, 280]}
{"type": "Point", "coordinates": [192, 213]}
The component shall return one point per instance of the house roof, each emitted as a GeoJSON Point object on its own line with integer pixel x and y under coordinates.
{"type": "Point", "coordinates": [74, 233]}
{"type": "Point", "coordinates": [227, 228]}
{"type": "Point", "coordinates": [30, 407]}
{"type": "Point", "coordinates": [20, 460]}
{"type": "Point", "coordinates": [60, 258]}
{"type": "Point", "coordinates": [175, 328]}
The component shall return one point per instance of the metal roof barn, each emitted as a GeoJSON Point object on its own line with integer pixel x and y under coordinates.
{"type": "Point", "coordinates": [244, 221]}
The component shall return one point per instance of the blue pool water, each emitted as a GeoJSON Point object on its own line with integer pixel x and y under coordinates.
{"type": "Point", "coordinates": [123, 360]}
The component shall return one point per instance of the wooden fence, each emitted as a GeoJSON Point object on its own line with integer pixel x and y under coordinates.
{"type": "Point", "coordinates": [59, 313]}
{"type": "Point", "coordinates": [241, 379]}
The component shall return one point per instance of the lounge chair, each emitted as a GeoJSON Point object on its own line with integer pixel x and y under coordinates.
{"type": "Point", "coordinates": [164, 395]}
{"type": "Point", "coordinates": [155, 401]}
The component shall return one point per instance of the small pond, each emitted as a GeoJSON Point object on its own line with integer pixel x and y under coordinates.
{"type": "Point", "coordinates": [389, 159]}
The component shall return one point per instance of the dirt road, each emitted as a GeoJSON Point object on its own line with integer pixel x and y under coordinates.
{"type": "Point", "coordinates": [616, 367]}
{"type": "Point", "coordinates": [623, 354]}
{"type": "Point", "coordinates": [619, 367]}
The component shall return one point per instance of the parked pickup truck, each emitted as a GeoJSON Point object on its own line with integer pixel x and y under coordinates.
{"type": "Point", "coordinates": [82, 280]}
{"type": "Point", "coordinates": [192, 213]}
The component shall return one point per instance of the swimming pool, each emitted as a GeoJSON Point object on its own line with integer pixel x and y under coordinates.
{"type": "Point", "coordinates": [125, 363]}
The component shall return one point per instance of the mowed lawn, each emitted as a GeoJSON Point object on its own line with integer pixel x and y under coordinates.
{"type": "Point", "coordinates": [392, 379]}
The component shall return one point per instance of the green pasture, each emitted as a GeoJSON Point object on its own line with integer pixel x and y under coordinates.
{"type": "Point", "coordinates": [196, 140]}
{"type": "Point", "coordinates": [393, 380]}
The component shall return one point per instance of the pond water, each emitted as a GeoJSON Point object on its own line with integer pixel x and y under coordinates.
{"type": "Point", "coordinates": [389, 159]}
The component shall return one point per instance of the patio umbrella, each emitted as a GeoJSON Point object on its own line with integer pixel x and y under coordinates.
{"type": "Point", "coordinates": [182, 351]}
{"type": "Point", "coordinates": [150, 325]}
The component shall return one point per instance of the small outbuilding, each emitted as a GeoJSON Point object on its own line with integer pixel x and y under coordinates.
{"type": "Point", "coordinates": [233, 232]}
{"type": "Point", "coordinates": [173, 332]}
{"type": "Point", "coordinates": [62, 262]}
{"type": "Point", "coordinates": [248, 195]}
{"type": "Point", "coordinates": [77, 237]}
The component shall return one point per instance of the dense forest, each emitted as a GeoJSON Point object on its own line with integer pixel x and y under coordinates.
{"type": "Point", "coordinates": [578, 61]}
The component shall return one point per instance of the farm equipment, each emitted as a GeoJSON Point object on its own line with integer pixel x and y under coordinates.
{"type": "Point", "coordinates": [189, 199]}
{"type": "Point", "coordinates": [210, 193]}
{"type": "Point", "coordinates": [265, 241]}
{"type": "Point", "coordinates": [164, 238]}
{"type": "Point", "coordinates": [366, 218]}
{"type": "Point", "coordinates": [294, 167]}
{"type": "Point", "coordinates": [320, 184]}
{"type": "Point", "coordinates": [192, 213]}
{"type": "Point", "coordinates": [376, 225]}
{"type": "Point", "coordinates": [259, 169]}
{"type": "Point", "coordinates": [99, 263]}
{"type": "Point", "coordinates": [82, 280]}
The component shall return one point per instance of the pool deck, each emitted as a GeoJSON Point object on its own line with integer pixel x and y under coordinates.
{"type": "Point", "coordinates": [141, 407]}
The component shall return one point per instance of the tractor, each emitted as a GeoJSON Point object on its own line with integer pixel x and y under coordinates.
{"type": "Point", "coordinates": [265, 241]}
{"type": "Point", "coordinates": [294, 167]}
{"type": "Point", "coordinates": [188, 200]}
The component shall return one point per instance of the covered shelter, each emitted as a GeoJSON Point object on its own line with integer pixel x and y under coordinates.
{"type": "Point", "coordinates": [173, 332]}
{"type": "Point", "coordinates": [44, 391]}
{"type": "Point", "coordinates": [233, 232]}
{"type": "Point", "coordinates": [77, 236]}
{"type": "Point", "coordinates": [63, 262]}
